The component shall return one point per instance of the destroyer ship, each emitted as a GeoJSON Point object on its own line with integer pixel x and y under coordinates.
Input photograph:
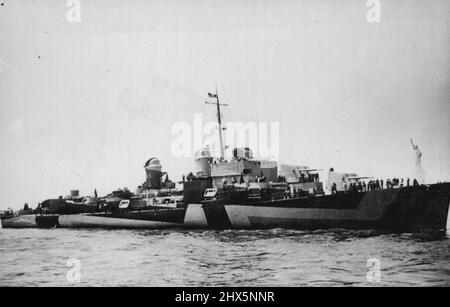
{"type": "Point", "coordinates": [242, 192]}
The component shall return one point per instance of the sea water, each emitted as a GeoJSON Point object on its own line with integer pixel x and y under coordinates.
{"type": "Point", "coordinates": [277, 257]}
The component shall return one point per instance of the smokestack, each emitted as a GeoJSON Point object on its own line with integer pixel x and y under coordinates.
{"type": "Point", "coordinates": [202, 162]}
{"type": "Point", "coordinates": [153, 173]}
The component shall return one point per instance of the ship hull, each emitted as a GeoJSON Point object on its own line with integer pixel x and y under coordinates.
{"type": "Point", "coordinates": [409, 209]}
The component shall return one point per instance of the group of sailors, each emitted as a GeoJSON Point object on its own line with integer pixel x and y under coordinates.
{"type": "Point", "coordinates": [308, 177]}
{"type": "Point", "coordinates": [373, 185]}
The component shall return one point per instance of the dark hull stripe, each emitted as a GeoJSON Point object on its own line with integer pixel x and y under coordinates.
{"type": "Point", "coordinates": [47, 221]}
{"type": "Point", "coordinates": [217, 216]}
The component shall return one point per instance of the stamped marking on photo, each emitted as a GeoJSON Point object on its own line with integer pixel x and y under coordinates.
{"type": "Point", "coordinates": [374, 273]}
{"type": "Point", "coordinates": [73, 276]}
{"type": "Point", "coordinates": [374, 13]}
{"type": "Point", "coordinates": [73, 14]}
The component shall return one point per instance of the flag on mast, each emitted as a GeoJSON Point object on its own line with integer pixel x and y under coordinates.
{"type": "Point", "coordinates": [212, 95]}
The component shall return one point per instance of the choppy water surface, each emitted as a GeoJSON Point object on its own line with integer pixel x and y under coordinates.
{"type": "Point", "coordinates": [37, 257]}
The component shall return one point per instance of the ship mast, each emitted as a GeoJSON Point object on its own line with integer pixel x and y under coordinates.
{"type": "Point", "coordinates": [219, 119]}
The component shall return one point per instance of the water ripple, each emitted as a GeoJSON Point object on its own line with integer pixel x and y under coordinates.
{"type": "Point", "coordinates": [275, 257]}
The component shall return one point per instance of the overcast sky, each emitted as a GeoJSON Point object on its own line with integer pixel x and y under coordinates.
{"type": "Point", "coordinates": [84, 105]}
